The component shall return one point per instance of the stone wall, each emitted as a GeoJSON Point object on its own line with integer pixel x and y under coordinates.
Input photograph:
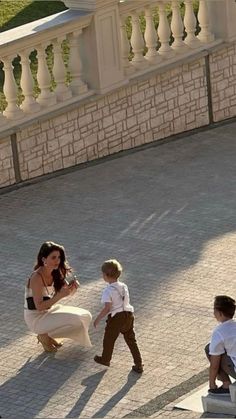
{"type": "Point", "coordinates": [145, 111]}
{"type": "Point", "coordinates": [223, 80]}
{"type": "Point", "coordinates": [152, 107]}
{"type": "Point", "coordinates": [7, 176]}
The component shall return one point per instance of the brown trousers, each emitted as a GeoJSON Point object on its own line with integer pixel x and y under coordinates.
{"type": "Point", "coordinates": [122, 322]}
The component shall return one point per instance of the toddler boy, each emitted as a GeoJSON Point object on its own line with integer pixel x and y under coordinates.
{"type": "Point", "coordinates": [115, 298]}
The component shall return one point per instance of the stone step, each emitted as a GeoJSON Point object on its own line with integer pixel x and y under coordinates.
{"type": "Point", "coordinates": [220, 404]}
{"type": "Point", "coordinates": [232, 390]}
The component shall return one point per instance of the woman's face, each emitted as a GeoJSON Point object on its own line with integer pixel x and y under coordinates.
{"type": "Point", "coordinates": [53, 260]}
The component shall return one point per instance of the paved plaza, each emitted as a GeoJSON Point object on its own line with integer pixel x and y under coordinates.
{"type": "Point", "coordinates": [168, 213]}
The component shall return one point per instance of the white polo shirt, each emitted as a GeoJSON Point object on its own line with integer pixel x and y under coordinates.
{"type": "Point", "coordinates": [224, 340]}
{"type": "Point", "coordinates": [117, 293]}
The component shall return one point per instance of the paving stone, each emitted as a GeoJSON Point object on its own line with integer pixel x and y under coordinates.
{"type": "Point", "coordinates": [168, 213]}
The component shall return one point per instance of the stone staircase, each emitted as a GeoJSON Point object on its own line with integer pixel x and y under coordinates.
{"type": "Point", "coordinates": [221, 404]}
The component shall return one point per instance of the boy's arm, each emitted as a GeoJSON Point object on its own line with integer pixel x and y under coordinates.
{"type": "Point", "coordinates": [103, 313]}
{"type": "Point", "coordinates": [214, 369]}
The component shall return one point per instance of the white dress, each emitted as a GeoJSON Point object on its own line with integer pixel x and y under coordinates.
{"type": "Point", "coordinates": [60, 321]}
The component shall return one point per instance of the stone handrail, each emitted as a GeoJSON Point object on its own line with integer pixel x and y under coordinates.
{"type": "Point", "coordinates": [156, 51]}
{"type": "Point", "coordinates": [102, 56]}
{"type": "Point", "coordinates": [37, 36]}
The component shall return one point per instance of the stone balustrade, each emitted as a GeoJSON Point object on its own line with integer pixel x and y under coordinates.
{"type": "Point", "coordinates": [167, 40]}
{"type": "Point", "coordinates": [38, 36]}
{"type": "Point", "coordinates": [118, 55]}
{"type": "Point", "coordinates": [171, 69]}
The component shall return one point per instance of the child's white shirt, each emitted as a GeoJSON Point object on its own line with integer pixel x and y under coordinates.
{"type": "Point", "coordinates": [224, 340]}
{"type": "Point", "coordinates": [117, 293]}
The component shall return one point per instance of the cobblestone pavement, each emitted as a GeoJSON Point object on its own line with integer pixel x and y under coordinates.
{"type": "Point", "coordinates": [168, 213]}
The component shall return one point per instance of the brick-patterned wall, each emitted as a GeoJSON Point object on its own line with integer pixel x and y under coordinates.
{"type": "Point", "coordinates": [7, 176]}
{"type": "Point", "coordinates": [223, 81]}
{"type": "Point", "coordinates": [158, 107]}
{"type": "Point", "coordinates": [149, 109]}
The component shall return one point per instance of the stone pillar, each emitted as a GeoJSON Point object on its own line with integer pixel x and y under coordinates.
{"type": "Point", "coordinates": [100, 44]}
{"type": "Point", "coordinates": [222, 14]}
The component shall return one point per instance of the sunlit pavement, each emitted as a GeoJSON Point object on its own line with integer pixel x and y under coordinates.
{"type": "Point", "coordinates": [168, 213]}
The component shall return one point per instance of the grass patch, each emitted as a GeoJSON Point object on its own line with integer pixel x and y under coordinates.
{"type": "Point", "coordinates": [20, 12]}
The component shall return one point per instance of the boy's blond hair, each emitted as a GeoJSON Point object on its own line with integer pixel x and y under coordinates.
{"type": "Point", "coordinates": [112, 268]}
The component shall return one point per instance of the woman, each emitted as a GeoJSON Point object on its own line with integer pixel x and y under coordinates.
{"type": "Point", "coordinates": [45, 287]}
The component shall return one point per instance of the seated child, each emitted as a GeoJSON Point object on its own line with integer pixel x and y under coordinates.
{"type": "Point", "coordinates": [221, 351]}
{"type": "Point", "coordinates": [115, 298]}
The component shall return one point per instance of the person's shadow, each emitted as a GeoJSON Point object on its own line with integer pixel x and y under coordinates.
{"type": "Point", "coordinates": [37, 380]}
{"type": "Point", "coordinates": [90, 383]}
{"type": "Point", "coordinates": [131, 381]}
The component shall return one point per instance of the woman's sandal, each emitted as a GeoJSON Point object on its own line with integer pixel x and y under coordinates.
{"type": "Point", "coordinates": [55, 343]}
{"type": "Point", "coordinates": [46, 343]}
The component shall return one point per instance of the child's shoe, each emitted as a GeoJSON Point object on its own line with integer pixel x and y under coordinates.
{"type": "Point", "coordinates": [220, 391]}
{"type": "Point", "coordinates": [99, 360]}
{"type": "Point", "coordinates": [137, 368]}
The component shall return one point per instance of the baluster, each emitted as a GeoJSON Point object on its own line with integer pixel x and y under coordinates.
{"type": "Point", "coordinates": [203, 17]}
{"type": "Point", "coordinates": [164, 33]}
{"type": "Point", "coordinates": [125, 44]}
{"type": "Point", "coordinates": [150, 37]}
{"type": "Point", "coordinates": [137, 43]}
{"type": "Point", "coordinates": [3, 120]}
{"type": "Point", "coordinates": [77, 85]}
{"type": "Point", "coordinates": [177, 28]}
{"type": "Point", "coordinates": [190, 23]}
{"type": "Point", "coordinates": [62, 92]}
{"type": "Point", "coordinates": [29, 105]}
{"type": "Point", "coordinates": [46, 97]}
{"type": "Point", "coordinates": [10, 89]}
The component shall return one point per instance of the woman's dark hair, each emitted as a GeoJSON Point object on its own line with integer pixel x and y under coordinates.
{"type": "Point", "coordinates": [225, 304]}
{"type": "Point", "coordinates": [57, 274]}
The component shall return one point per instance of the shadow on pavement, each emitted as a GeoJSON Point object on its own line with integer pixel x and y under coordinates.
{"type": "Point", "coordinates": [131, 381]}
{"type": "Point", "coordinates": [34, 385]}
{"type": "Point", "coordinates": [155, 210]}
{"type": "Point", "coordinates": [90, 383]}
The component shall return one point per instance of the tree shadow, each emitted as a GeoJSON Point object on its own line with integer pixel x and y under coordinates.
{"type": "Point", "coordinates": [168, 203]}
{"type": "Point", "coordinates": [90, 383]}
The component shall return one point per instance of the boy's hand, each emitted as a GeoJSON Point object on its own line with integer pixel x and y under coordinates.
{"type": "Point", "coordinates": [95, 323]}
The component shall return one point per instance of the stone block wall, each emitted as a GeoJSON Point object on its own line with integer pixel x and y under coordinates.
{"type": "Point", "coordinates": [145, 111]}
{"type": "Point", "coordinates": [152, 107]}
{"type": "Point", "coordinates": [223, 81]}
{"type": "Point", "coordinates": [7, 175]}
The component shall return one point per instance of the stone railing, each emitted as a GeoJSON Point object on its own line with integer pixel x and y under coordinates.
{"type": "Point", "coordinates": [112, 75]}
{"type": "Point", "coordinates": [102, 55]}
{"type": "Point", "coordinates": [156, 45]}
{"type": "Point", "coordinates": [38, 36]}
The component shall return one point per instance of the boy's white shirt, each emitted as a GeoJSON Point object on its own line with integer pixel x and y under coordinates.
{"type": "Point", "coordinates": [224, 340]}
{"type": "Point", "coordinates": [113, 294]}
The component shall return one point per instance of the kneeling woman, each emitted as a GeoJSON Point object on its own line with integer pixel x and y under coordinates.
{"type": "Point", "coordinates": [45, 287]}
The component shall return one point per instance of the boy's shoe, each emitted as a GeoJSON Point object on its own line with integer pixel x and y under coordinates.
{"type": "Point", "coordinates": [137, 368]}
{"type": "Point", "coordinates": [220, 391]}
{"type": "Point", "coordinates": [99, 360]}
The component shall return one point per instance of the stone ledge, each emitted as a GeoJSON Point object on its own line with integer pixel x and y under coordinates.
{"type": "Point", "coordinates": [223, 405]}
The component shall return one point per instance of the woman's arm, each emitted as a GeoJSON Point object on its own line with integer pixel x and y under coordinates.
{"type": "Point", "coordinates": [37, 285]}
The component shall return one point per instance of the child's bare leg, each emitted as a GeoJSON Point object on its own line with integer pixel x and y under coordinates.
{"type": "Point", "coordinates": [226, 369]}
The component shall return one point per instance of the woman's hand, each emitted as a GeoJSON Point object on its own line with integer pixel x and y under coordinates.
{"type": "Point", "coordinates": [67, 290]}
